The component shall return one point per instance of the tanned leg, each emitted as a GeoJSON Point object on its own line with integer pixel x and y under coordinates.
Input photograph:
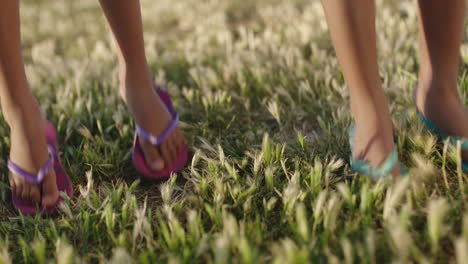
{"type": "Point", "coordinates": [22, 113]}
{"type": "Point", "coordinates": [124, 18]}
{"type": "Point", "coordinates": [352, 28]}
{"type": "Point", "coordinates": [441, 35]}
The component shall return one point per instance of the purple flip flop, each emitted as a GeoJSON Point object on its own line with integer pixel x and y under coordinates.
{"type": "Point", "coordinates": [139, 160]}
{"type": "Point", "coordinates": [63, 181]}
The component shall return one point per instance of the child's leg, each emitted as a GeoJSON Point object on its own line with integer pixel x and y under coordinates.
{"type": "Point", "coordinates": [352, 27]}
{"type": "Point", "coordinates": [440, 39]}
{"type": "Point", "coordinates": [20, 109]}
{"type": "Point", "coordinates": [136, 84]}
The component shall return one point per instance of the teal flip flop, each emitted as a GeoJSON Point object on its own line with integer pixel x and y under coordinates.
{"type": "Point", "coordinates": [364, 168]}
{"type": "Point", "coordinates": [453, 140]}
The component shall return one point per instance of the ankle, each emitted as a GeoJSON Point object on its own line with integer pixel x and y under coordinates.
{"type": "Point", "coordinates": [434, 93]}
{"type": "Point", "coordinates": [371, 116]}
{"type": "Point", "coordinates": [375, 130]}
{"type": "Point", "coordinates": [134, 79]}
{"type": "Point", "coordinates": [134, 66]}
{"type": "Point", "coordinates": [436, 85]}
{"type": "Point", "coordinates": [17, 114]}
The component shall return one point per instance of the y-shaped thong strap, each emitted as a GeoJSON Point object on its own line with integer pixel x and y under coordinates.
{"type": "Point", "coordinates": [35, 179]}
{"type": "Point", "coordinates": [154, 140]}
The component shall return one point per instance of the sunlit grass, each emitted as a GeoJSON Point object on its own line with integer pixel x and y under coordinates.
{"type": "Point", "coordinates": [266, 111]}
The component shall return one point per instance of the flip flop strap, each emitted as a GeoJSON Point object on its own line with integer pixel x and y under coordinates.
{"type": "Point", "coordinates": [434, 129]}
{"type": "Point", "coordinates": [35, 179]}
{"type": "Point", "coordinates": [463, 142]}
{"type": "Point", "coordinates": [156, 141]}
{"type": "Point", "coordinates": [385, 169]}
{"type": "Point", "coordinates": [465, 166]}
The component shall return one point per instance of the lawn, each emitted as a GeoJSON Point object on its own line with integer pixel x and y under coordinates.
{"type": "Point", "coordinates": [265, 110]}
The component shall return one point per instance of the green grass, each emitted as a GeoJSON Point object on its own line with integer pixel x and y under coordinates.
{"type": "Point", "coordinates": [265, 110]}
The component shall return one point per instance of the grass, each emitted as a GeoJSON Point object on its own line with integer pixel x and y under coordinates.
{"type": "Point", "coordinates": [265, 110]}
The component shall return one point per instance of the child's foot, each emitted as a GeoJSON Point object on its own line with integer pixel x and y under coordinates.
{"type": "Point", "coordinates": [152, 115]}
{"type": "Point", "coordinates": [29, 151]}
{"type": "Point", "coordinates": [373, 143]}
{"type": "Point", "coordinates": [440, 104]}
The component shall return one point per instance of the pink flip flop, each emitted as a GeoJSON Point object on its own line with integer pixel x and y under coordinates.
{"type": "Point", "coordinates": [63, 181]}
{"type": "Point", "coordinates": [139, 160]}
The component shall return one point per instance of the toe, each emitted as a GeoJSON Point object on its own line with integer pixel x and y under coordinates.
{"type": "Point", "coordinates": [50, 192]}
{"type": "Point", "coordinates": [12, 186]}
{"type": "Point", "coordinates": [166, 154]}
{"type": "Point", "coordinates": [174, 148]}
{"type": "Point", "coordinates": [18, 187]}
{"type": "Point", "coordinates": [153, 157]}
{"type": "Point", "coordinates": [25, 193]}
{"type": "Point", "coordinates": [180, 140]}
{"type": "Point", "coordinates": [35, 195]}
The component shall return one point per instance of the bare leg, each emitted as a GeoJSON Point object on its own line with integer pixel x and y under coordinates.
{"type": "Point", "coordinates": [20, 109]}
{"type": "Point", "coordinates": [441, 35]}
{"type": "Point", "coordinates": [136, 84]}
{"type": "Point", "coordinates": [352, 27]}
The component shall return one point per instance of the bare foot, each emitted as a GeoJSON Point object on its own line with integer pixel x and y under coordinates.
{"type": "Point", "coordinates": [373, 143]}
{"type": "Point", "coordinates": [29, 151]}
{"type": "Point", "coordinates": [442, 105]}
{"type": "Point", "coordinates": [151, 114]}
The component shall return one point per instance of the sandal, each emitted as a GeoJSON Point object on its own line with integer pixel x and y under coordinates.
{"type": "Point", "coordinates": [364, 168]}
{"type": "Point", "coordinates": [431, 126]}
{"type": "Point", "coordinates": [139, 160]}
{"type": "Point", "coordinates": [63, 181]}
{"type": "Point", "coordinates": [442, 137]}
